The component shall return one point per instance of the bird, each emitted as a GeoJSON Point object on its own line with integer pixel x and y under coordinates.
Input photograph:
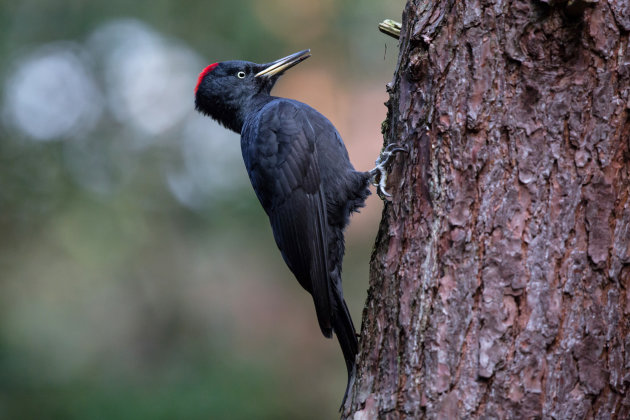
{"type": "Point", "coordinates": [301, 173]}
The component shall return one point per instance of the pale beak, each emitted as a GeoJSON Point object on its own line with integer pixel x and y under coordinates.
{"type": "Point", "coordinates": [279, 66]}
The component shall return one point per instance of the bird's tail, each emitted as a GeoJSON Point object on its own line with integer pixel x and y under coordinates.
{"type": "Point", "coordinates": [347, 336]}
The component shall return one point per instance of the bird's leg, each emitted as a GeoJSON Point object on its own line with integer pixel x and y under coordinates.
{"type": "Point", "coordinates": [378, 175]}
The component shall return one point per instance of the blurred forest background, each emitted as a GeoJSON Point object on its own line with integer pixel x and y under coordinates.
{"type": "Point", "coordinates": [138, 274]}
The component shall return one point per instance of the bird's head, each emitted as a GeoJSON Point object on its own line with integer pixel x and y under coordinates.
{"type": "Point", "coordinates": [228, 90]}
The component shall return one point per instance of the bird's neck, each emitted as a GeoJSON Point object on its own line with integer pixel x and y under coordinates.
{"type": "Point", "coordinates": [250, 107]}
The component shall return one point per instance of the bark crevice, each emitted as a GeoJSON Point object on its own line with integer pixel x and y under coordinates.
{"type": "Point", "coordinates": [500, 278]}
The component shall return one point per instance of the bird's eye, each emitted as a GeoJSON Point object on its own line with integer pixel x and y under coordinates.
{"type": "Point", "coordinates": [240, 74]}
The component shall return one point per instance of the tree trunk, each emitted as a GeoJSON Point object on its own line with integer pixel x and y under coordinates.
{"type": "Point", "coordinates": [500, 279]}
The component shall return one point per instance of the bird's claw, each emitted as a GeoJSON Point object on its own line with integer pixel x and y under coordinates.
{"type": "Point", "coordinates": [379, 173]}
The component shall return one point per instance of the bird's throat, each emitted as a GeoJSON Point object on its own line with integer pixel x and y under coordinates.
{"type": "Point", "coordinates": [232, 114]}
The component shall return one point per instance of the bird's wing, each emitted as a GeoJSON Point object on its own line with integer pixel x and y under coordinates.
{"type": "Point", "coordinates": [281, 159]}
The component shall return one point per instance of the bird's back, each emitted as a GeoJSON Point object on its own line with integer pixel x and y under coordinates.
{"type": "Point", "coordinates": [345, 188]}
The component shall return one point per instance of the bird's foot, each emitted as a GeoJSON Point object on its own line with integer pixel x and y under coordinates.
{"type": "Point", "coordinates": [378, 175]}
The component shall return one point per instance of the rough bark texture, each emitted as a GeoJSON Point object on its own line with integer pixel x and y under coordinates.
{"type": "Point", "coordinates": [500, 279]}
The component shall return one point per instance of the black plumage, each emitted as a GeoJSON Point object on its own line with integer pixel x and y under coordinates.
{"type": "Point", "coordinates": [302, 176]}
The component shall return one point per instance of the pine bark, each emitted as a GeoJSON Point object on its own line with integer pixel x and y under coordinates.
{"type": "Point", "coordinates": [500, 278]}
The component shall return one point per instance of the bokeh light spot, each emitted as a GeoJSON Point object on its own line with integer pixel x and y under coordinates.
{"type": "Point", "coordinates": [51, 94]}
{"type": "Point", "coordinates": [149, 78]}
{"type": "Point", "coordinates": [212, 166]}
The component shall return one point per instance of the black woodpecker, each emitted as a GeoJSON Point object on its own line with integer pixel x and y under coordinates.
{"type": "Point", "coordinates": [301, 173]}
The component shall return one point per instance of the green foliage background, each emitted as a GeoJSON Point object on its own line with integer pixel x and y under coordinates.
{"type": "Point", "coordinates": [117, 300]}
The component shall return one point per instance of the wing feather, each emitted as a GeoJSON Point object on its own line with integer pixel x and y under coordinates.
{"type": "Point", "coordinates": [282, 162]}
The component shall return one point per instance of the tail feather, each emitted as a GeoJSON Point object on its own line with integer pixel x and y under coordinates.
{"type": "Point", "coordinates": [347, 336]}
